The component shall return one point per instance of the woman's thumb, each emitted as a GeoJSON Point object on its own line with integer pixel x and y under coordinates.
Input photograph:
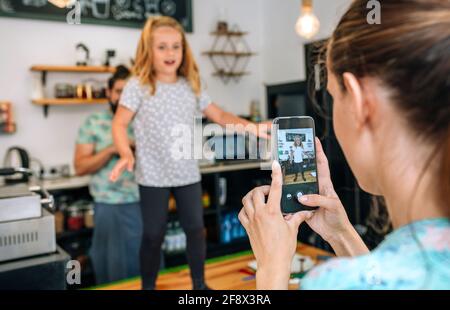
{"type": "Point", "coordinates": [300, 217]}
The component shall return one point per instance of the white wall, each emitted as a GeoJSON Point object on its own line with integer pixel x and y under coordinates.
{"type": "Point", "coordinates": [24, 43]}
{"type": "Point", "coordinates": [283, 59]}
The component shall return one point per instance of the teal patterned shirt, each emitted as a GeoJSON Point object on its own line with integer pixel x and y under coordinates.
{"type": "Point", "coordinates": [97, 130]}
{"type": "Point", "coordinates": [415, 256]}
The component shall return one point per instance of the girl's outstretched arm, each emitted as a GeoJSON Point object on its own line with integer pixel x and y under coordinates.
{"type": "Point", "coordinates": [214, 113]}
{"type": "Point", "coordinates": [120, 124]}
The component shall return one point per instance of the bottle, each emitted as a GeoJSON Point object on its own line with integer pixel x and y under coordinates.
{"type": "Point", "coordinates": [242, 232]}
{"type": "Point", "coordinates": [255, 115]}
{"type": "Point", "coordinates": [178, 238]}
{"type": "Point", "coordinates": [235, 226]}
{"type": "Point", "coordinates": [170, 239]}
{"type": "Point", "coordinates": [206, 201]}
{"type": "Point", "coordinates": [226, 231]}
{"type": "Point", "coordinates": [75, 219]}
{"type": "Point", "coordinates": [164, 245]}
{"type": "Point", "coordinates": [183, 241]}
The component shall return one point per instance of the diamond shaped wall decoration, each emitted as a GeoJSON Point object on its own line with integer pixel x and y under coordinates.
{"type": "Point", "coordinates": [230, 54]}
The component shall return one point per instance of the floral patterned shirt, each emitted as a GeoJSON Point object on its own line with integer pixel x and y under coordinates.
{"type": "Point", "coordinates": [97, 130]}
{"type": "Point", "coordinates": [415, 256]}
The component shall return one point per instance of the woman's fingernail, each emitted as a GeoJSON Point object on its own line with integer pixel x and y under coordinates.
{"type": "Point", "coordinates": [303, 198]}
{"type": "Point", "coordinates": [274, 164]}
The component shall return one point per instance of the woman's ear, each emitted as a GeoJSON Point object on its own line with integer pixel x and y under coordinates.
{"type": "Point", "coordinates": [356, 98]}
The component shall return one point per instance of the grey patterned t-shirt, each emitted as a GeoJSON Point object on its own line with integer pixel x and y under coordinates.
{"type": "Point", "coordinates": [171, 105]}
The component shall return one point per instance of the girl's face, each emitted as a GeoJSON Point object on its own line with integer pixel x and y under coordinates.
{"type": "Point", "coordinates": [297, 141]}
{"type": "Point", "coordinates": [167, 50]}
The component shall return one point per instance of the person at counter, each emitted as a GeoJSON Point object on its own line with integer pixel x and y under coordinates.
{"type": "Point", "coordinates": [118, 226]}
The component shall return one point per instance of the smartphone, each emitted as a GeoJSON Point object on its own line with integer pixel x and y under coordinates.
{"type": "Point", "coordinates": [294, 148]}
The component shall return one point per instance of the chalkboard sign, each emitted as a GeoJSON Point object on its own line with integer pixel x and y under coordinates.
{"type": "Point", "coordinates": [122, 13]}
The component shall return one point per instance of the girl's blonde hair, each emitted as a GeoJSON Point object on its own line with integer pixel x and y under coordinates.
{"type": "Point", "coordinates": [143, 66]}
{"type": "Point", "coordinates": [299, 140]}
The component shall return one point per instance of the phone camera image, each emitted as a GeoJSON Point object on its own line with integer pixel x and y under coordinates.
{"type": "Point", "coordinates": [297, 158]}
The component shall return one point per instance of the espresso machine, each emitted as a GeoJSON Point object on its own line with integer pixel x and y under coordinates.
{"type": "Point", "coordinates": [27, 235]}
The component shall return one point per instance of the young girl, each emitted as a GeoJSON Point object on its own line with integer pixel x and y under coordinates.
{"type": "Point", "coordinates": [297, 157]}
{"type": "Point", "coordinates": [165, 91]}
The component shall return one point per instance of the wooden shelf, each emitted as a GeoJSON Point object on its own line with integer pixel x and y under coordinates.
{"type": "Point", "coordinates": [230, 74]}
{"type": "Point", "coordinates": [81, 69]}
{"type": "Point", "coordinates": [45, 69]}
{"type": "Point", "coordinates": [229, 33]}
{"type": "Point", "coordinates": [68, 101]}
{"type": "Point", "coordinates": [235, 54]}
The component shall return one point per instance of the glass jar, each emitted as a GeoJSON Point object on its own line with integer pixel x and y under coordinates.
{"type": "Point", "coordinates": [75, 220]}
{"type": "Point", "coordinates": [89, 216]}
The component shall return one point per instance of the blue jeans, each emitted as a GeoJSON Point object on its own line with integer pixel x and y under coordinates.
{"type": "Point", "coordinates": [116, 240]}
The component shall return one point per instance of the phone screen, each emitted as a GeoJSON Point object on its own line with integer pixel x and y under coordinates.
{"type": "Point", "coordinates": [296, 153]}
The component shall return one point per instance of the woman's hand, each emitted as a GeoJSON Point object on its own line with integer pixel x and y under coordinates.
{"type": "Point", "coordinates": [273, 237]}
{"type": "Point", "coordinates": [125, 162]}
{"type": "Point", "coordinates": [330, 220]}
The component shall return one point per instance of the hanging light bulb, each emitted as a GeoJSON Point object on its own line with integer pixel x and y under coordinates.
{"type": "Point", "coordinates": [307, 24]}
{"type": "Point", "coordinates": [61, 3]}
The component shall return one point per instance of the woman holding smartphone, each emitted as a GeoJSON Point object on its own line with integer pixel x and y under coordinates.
{"type": "Point", "coordinates": [391, 114]}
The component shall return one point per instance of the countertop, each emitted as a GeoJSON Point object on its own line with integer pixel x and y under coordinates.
{"type": "Point", "coordinates": [78, 182]}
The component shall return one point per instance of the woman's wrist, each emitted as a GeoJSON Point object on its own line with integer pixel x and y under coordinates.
{"type": "Point", "coordinates": [347, 243]}
{"type": "Point", "coordinates": [274, 277]}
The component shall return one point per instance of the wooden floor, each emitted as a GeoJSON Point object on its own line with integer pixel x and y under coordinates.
{"type": "Point", "coordinates": [226, 273]}
{"type": "Point", "coordinates": [289, 179]}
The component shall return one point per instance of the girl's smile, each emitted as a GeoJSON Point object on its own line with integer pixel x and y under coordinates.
{"type": "Point", "coordinates": [169, 62]}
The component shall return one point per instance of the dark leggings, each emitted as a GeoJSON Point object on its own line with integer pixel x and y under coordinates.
{"type": "Point", "coordinates": [154, 208]}
{"type": "Point", "coordinates": [298, 167]}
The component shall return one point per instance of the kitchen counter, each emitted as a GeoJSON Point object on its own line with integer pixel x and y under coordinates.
{"type": "Point", "coordinates": [66, 183]}
{"type": "Point", "coordinates": [78, 182]}
{"type": "Point", "coordinates": [60, 183]}
{"type": "Point", "coordinates": [226, 167]}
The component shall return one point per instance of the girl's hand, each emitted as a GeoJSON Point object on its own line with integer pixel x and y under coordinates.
{"type": "Point", "coordinates": [126, 162]}
{"type": "Point", "coordinates": [273, 237]}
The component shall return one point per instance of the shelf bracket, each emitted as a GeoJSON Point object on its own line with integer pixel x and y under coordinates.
{"type": "Point", "coordinates": [45, 108]}
{"type": "Point", "coordinates": [44, 78]}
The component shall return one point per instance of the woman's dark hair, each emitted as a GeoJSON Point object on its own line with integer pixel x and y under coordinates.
{"type": "Point", "coordinates": [409, 52]}
{"type": "Point", "coordinates": [122, 73]}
